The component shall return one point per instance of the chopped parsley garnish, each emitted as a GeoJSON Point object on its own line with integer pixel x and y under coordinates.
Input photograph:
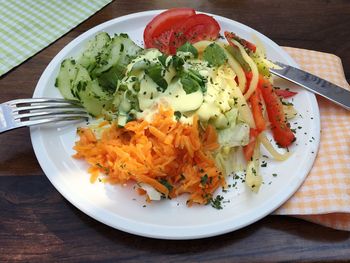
{"type": "Point", "coordinates": [204, 179]}
{"type": "Point", "coordinates": [166, 184]}
{"type": "Point", "coordinates": [177, 115]}
{"type": "Point", "coordinates": [286, 103]}
{"type": "Point", "coordinates": [217, 202]}
{"type": "Point", "coordinates": [105, 169]}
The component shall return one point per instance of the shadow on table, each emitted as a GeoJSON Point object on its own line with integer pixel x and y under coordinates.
{"type": "Point", "coordinates": [36, 216]}
{"type": "Point", "coordinates": [272, 231]}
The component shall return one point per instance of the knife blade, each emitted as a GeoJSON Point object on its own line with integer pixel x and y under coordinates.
{"type": "Point", "coordinates": [314, 84]}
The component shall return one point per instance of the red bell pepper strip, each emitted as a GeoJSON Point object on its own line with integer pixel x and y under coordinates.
{"type": "Point", "coordinates": [257, 110]}
{"type": "Point", "coordinates": [248, 76]}
{"type": "Point", "coordinates": [256, 106]}
{"type": "Point", "coordinates": [248, 150]}
{"type": "Point", "coordinates": [285, 93]}
{"type": "Point", "coordinates": [281, 131]}
{"type": "Point", "coordinates": [248, 45]}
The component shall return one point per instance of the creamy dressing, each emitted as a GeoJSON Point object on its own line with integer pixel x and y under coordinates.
{"type": "Point", "coordinates": [208, 105]}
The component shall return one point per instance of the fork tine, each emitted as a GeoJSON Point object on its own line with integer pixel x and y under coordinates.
{"type": "Point", "coordinates": [41, 103]}
{"type": "Point", "coordinates": [49, 112]}
{"type": "Point", "coordinates": [42, 107]}
{"type": "Point", "coordinates": [28, 112]}
{"type": "Point", "coordinates": [47, 106]}
{"type": "Point", "coordinates": [42, 100]}
{"type": "Point", "coordinates": [56, 118]}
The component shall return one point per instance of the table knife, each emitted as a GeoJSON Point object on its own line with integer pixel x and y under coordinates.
{"type": "Point", "coordinates": [314, 84]}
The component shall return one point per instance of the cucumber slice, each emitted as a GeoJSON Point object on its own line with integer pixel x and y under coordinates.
{"type": "Point", "coordinates": [121, 51]}
{"type": "Point", "coordinates": [94, 104]}
{"type": "Point", "coordinates": [94, 50]}
{"type": "Point", "coordinates": [81, 82]}
{"type": "Point", "coordinates": [122, 119]}
{"type": "Point", "coordinates": [125, 105]}
{"type": "Point", "coordinates": [109, 79]}
{"type": "Point", "coordinates": [97, 90]}
{"type": "Point", "coordinates": [111, 57]}
{"type": "Point", "coordinates": [94, 78]}
{"type": "Point", "coordinates": [90, 93]}
{"type": "Point", "coordinates": [130, 50]}
{"type": "Point", "coordinates": [66, 77]}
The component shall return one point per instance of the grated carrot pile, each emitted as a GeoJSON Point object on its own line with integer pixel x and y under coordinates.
{"type": "Point", "coordinates": [172, 157]}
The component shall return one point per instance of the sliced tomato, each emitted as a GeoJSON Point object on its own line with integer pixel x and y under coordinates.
{"type": "Point", "coordinates": [157, 32]}
{"type": "Point", "coordinates": [248, 150]}
{"type": "Point", "coordinates": [248, 45]}
{"type": "Point", "coordinates": [257, 110]}
{"type": "Point", "coordinates": [193, 29]}
{"type": "Point", "coordinates": [281, 131]}
{"type": "Point", "coordinates": [285, 93]}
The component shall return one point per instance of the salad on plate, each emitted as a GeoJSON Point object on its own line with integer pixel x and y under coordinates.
{"type": "Point", "coordinates": [181, 114]}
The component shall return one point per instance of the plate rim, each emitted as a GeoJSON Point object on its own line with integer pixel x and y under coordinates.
{"type": "Point", "coordinates": [175, 233]}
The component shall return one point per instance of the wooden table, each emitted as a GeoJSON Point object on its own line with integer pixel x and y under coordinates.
{"type": "Point", "coordinates": [38, 224]}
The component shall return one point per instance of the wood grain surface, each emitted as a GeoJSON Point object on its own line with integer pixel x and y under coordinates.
{"type": "Point", "coordinates": [38, 225]}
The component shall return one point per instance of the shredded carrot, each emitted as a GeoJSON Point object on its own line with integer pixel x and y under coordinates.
{"type": "Point", "coordinates": [172, 157]}
{"type": "Point", "coordinates": [141, 191]}
{"type": "Point", "coordinates": [103, 123]}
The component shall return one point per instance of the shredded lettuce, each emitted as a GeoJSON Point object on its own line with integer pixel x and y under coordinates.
{"type": "Point", "coordinates": [235, 135]}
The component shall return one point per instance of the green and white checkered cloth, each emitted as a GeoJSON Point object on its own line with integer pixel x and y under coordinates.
{"type": "Point", "coordinates": [28, 26]}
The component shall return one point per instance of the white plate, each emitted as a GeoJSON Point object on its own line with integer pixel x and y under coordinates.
{"type": "Point", "coordinates": [121, 208]}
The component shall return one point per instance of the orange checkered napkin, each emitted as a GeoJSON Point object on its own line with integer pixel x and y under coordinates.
{"type": "Point", "coordinates": [324, 197]}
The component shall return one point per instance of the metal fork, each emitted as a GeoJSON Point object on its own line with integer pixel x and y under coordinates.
{"type": "Point", "coordinates": [35, 111]}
